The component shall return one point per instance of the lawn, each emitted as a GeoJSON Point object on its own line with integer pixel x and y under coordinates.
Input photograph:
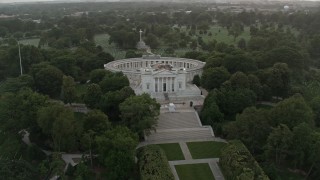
{"type": "Point", "coordinates": [220, 34]}
{"type": "Point", "coordinates": [208, 149]}
{"type": "Point", "coordinates": [103, 41]}
{"type": "Point", "coordinates": [194, 172]}
{"type": "Point", "coordinates": [263, 106]}
{"type": "Point", "coordinates": [32, 41]}
{"type": "Point", "coordinates": [81, 90]}
{"type": "Point", "coordinates": [173, 151]}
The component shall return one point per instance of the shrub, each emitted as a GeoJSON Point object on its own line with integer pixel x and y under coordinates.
{"type": "Point", "coordinates": [153, 164]}
{"type": "Point", "coordinates": [237, 163]}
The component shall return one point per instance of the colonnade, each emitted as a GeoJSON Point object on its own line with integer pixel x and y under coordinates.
{"type": "Point", "coordinates": [145, 64]}
{"type": "Point", "coordinates": [164, 84]}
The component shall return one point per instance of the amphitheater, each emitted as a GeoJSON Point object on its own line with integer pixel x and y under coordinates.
{"type": "Point", "coordinates": [161, 77]}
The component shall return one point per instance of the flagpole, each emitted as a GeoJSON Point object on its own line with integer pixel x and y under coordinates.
{"type": "Point", "coordinates": [20, 58]}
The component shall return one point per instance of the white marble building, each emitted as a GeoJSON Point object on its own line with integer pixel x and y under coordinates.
{"type": "Point", "coordinates": [161, 77]}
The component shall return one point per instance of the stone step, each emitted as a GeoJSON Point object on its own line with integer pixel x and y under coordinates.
{"type": "Point", "coordinates": [181, 133]}
{"type": "Point", "coordinates": [178, 120]}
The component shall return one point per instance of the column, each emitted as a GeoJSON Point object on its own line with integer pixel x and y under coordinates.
{"type": "Point", "coordinates": [160, 84]}
{"type": "Point", "coordinates": [170, 84]}
{"type": "Point", "coordinates": [157, 84]}
{"type": "Point", "coordinates": [165, 81]}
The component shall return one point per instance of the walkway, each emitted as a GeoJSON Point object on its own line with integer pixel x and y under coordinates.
{"type": "Point", "coordinates": [67, 158]}
{"type": "Point", "coordinates": [184, 123]}
{"type": "Point", "coordinates": [181, 127]}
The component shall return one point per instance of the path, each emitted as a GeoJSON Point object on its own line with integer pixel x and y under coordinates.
{"type": "Point", "coordinates": [185, 150]}
{"type": "Point", "coordinates": [181, 127]}
{"type": "Point", "coordinates": [67, 158]}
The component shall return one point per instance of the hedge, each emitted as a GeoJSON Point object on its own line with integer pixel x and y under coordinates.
{"type": "Point", "coordinates": [153, 164]}
{"type": "Point", "coordinates": [237, 163]}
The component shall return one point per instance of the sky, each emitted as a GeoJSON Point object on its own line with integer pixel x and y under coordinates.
{"type": "Point", "coordinates": [10, 1]}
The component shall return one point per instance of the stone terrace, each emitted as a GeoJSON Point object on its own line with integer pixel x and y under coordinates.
{"type": "Point", "coordinates": [179, 125]}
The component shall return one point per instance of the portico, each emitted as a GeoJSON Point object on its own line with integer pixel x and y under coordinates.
{"type": "Point", "coordinates": [159, 76]}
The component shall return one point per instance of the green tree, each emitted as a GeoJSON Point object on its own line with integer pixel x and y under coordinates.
{"type": "Point", "coordinates": [92, 96]}
{"type": "Point", "coordinates": [196, 80]}
{"type": "Point", "coordinates": [214, 77]}
{"type": "Point", "coordinates": [107, 83]}
{"type": "Point", "coordinates": [68, 92]}
{"type": "Point", "coordinates": [233, 101]}
{"type": "Point", "coordinates": [278, 143]}
{"type": "Point", "coordinates": [82, 171]}
{"type": "Point", "coordinates": [152, 41]}
{"type": "Point", "coordinates": [132, 54]}
{"type": "Point", "coordinates": [255, 85]}
{"type": "Point", "coordinates": [239, 80]}
{"type": "Point", "coordinates": [242, 44]}
{"type": "Point", "coordinates": [239, 62]}
{"type": "Point", "coordinates": [96, 121]}
{"type": "Point", "coordinates": [98, 74]}
{"type": "Point", "coordinates": [251, 127]}
{"type": "Point", "coordinates": [140, 113]}
{"type": "Point", "coordinates": [287, 55]}
{"type": "Point", "coordinates": [48, 81]}
{"type": "Point", "coordinates": [314, 46]}
{"type": "Point", "coordinates": [19, 111]}
{"type": "Point", "coordinates": [66, 64]}
{"type": "Point", "coordinates": [301, 144]}
{"type": "Point", "coordinates": [111, 100]}
{"type": "Point", "coordinates": [16, 169]}
{"type": "Point", "coordinates": [211, 114]}
{"type": "Point", "coordinates": [57, 165]}
{"type": "Point", "coordinates": [15, 84]}
{"type": "Point", "coordinates": [315, 105]}
{"type": "Point", "coordinates": [279, 79]}
{"type": "Point", "coordinates": [292, 112]}
{"type": "Point", "coordinates": [59, 123]}
{"type": "Point", "coordinates": [116, 151]}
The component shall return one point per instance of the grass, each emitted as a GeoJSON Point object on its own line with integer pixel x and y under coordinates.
{"type": "Point", "coordinates": [80, 91]}
{"type": "Point", "coordinates": [263, 106]}
{"type": "Point", "coordinates": [31, 41]}
{"type": "Point", "coordinates": [173, 151]}
{"type": "Point", "coordinates": [220, 34]}
{"type": "Point", "coordinates": [103, 41]}
{"type": "Point", "coordinates": [202, 150]}
{"type": "Point", "coordinates": [194, 172]}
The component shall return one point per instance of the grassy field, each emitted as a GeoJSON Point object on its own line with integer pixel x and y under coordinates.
{"type": "Point", "coordinates": [173, 151]}
{"type": "Point", "coordinates": [220, 34]}
{"type": "Point", "coordinates": [208, 149]}
{"type": "Point", "coordinates": [117, 53]}
{"type": "Point", "coordinates": [263, 106]}
{"type": "Point", "coordinates": [194, 172]}
{"type": "Point", "coordinates": [80, 91]}
{"type": "Point", "coordinates": [32, 41]}
{"type": "Point", "coordinates": [103, 41]}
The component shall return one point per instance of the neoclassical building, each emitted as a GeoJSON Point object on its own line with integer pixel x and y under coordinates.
{"type": "Point", "coordinates": [161, 77]}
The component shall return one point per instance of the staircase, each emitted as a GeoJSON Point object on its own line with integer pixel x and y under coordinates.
{"type": "Point", "coordinates": [177, 120]}
{"type": "Point", "coordinates": [180, 133]}
{"type": "Point", "coordinates": [180, 125]}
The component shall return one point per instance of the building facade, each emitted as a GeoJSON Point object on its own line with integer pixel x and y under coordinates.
{"type": "Point", "coordinates": [158, 75]}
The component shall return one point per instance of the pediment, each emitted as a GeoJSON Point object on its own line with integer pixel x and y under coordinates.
{"type": "Point", "coordinates": [164, 72]}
